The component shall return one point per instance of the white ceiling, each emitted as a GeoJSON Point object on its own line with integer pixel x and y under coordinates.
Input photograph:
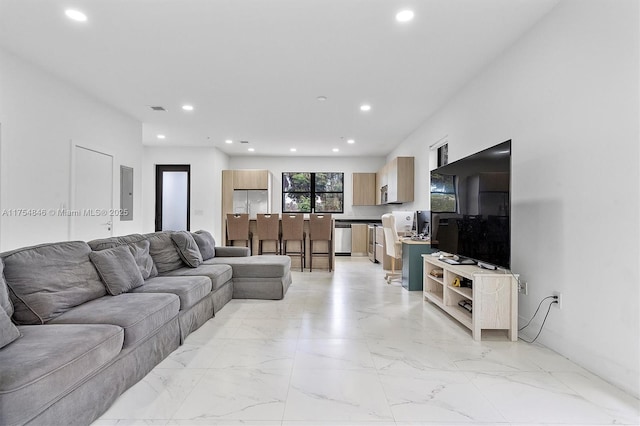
{"type": "Point", "coordinates": [254, 68]}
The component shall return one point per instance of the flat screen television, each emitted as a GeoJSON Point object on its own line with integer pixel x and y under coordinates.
{"type": "Point", "coordinates": [471, 207]}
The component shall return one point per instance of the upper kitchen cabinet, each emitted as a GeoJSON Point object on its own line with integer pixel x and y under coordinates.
{"type": "Point", "coordinates": [251, 179]}
{"type": "Point", "coordinates": [394, 181]}
{"type": "Point", "coordinates": [364, 189]}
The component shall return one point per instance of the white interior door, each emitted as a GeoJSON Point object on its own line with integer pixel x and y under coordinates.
{"type": "Point", "coordinates": [92, 194]}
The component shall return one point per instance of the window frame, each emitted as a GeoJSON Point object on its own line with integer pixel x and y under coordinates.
{"type": "Point", "coordinates": [312, 193]}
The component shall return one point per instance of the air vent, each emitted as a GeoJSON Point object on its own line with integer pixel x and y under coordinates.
{"type": "Point", "coordinates": [244, 141]}
{"type": "Point", "coordinates": [158, 108]}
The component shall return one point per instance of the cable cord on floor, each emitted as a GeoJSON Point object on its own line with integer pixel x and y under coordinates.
{"type": "Point", "coordinates": [542, 326]}
{"type": "Point", "coordinates": [535, 313]}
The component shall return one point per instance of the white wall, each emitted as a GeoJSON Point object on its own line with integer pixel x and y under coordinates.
{"type": "Point", "coordinates": [567, 95]}
{"type": "Point", "coordinates": [206, 184]}
{"type": "Point", "coordinates": [347, 165]}
{"type": "Point", "coordinates": [39, 116]}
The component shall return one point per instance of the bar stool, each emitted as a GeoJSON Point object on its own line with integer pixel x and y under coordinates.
{"type": "Point", "coordinates": [293, 230]}
{"type": "Point", "coordinates": [238, 229]}
{"type": "Point", "coordinates": [320, 230]}
{"type": "Point", "coordinates": [268, 229]}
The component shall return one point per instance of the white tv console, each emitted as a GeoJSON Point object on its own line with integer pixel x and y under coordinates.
{"type": "Point", "coordinates": [494, 296]}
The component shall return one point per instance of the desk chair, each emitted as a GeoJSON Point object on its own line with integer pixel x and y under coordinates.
{"type": "Point", "coordinates": [238, 229]}
{"type": "Point", "coordinates": [393, 245]}
{"type": "Point", "coordinates": [320, 229]}
{"type": "Point", "coordinates": [293, 230]}
{"type": "Point", "coordinates": [268, 229]}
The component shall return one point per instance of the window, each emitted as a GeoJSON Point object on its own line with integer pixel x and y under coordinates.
{"type": "Point", "coordinates": [307, 192]}
{"type": "Point", "coordinates": [443, 193]}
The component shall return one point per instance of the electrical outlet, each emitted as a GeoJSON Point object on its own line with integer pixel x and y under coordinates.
{"type": "Point", "coordinates": [523, 288]}
{"type": "Point", "coordinates": [558, 301]}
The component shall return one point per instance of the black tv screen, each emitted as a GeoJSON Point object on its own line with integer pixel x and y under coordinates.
{"type": "Point", "coordinates": [470, 206]}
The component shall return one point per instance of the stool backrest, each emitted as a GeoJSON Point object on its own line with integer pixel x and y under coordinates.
{"type": "Point", "coordinates": [237, 226]}
{"type": "Point", "coordinates": [320, 226]}
{"type": "Point", "coordinates": [268, 226]}
{"type": "Point", "coordinates": [292, 226]}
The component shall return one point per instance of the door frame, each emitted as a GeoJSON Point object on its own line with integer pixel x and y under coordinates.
{"type": "Point", "coordinates": [160, 168]}
{"type": "Point", "coordinates": [72, 185]}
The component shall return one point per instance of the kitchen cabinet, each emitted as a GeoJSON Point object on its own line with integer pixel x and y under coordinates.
{"type": "Point", "coordinates": [364, 189]}
{"type": "Point", "coordinates": [396, 181]}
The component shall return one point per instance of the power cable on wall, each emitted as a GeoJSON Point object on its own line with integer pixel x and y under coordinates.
{"type": "Point", "coordinates": [555, 300]}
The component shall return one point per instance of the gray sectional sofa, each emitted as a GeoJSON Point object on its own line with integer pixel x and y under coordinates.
{"type": "Point", "coordinates": [82, 322]}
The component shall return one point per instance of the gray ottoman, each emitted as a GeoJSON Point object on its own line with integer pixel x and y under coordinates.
{"type": "Point", "coordinates": [258, 277]}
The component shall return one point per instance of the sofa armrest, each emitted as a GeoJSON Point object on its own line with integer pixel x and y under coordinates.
{"type": "Point", "coordinates": [225, 251]}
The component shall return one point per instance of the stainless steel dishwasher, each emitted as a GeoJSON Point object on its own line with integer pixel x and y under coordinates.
{"type": "Point", "coordinates": [343, 239]}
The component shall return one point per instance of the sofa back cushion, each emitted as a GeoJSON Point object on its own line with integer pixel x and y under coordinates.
{"type": "Point", "coordinates": [49, 279]}
{"type": "Point", "coordinates": [164, 252]}
{"type": "Point", "coordinates": [8, 331]}
{"type": "Point", "coordinates": [206, 244]}
{"type": "Point", "coordinates": [139, 246]}
{"type": "Point", "coordinates": [117, 269]}
{"type": "Point", "coordinates": [187, 248]}
{"type": "Point", "coordinates": [111, 242]}
{"type": "Point", "coordinates": [5, 302]}
{"type": "Point", "coordinates": [140, 252]}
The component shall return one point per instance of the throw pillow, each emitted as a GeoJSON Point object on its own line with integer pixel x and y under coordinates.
{"type": "Point", "coordinates": [8, 331]}
{"type": "Point", "coordinates": [187, 248]}
{"type": "Point", "coordinates": [140, 252]}
{"type": "Point", "coordinates": [5, 302]}
{"type": "Point", "coordinates": [164, 252]}
{"type": "Point", "coordinates": [117, 269]}
{"type": "Point", "coordinates": [206, 244]}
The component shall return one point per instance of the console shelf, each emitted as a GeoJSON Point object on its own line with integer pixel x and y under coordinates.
{"type": "Point", "coordinates": [493, 295]}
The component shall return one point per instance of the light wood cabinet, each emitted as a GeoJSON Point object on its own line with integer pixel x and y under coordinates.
{"type": "Point", "coordinates": [364, 189]}
{"type": "Point", "coordinates": [250, 179]}
{"type": "Point", "coordinates": [400, 177]}
{"type": "Point", "coordinates": [359, 239]}
{"type": "Point", "coordinates": [493, 296]}
{"type": "Point", "coordinates": [395, 181]}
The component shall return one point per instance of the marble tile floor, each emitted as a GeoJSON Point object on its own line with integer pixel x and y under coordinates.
{"type": "Point", "coordinates": [345, 348]}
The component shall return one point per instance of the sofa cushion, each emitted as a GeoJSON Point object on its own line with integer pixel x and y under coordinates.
{"type": "Point", "coordinates": [218, 274]}
{"type": "Point", "coordinates": [139, 314]}
{"type": "Point", "coordinates": [190, 290]}
{"type": "Point", "coordinates": [47, 280]}
{"type": "Point", "coordinates": [8, 331]}
{"type": "Point", "coordinates": [5, 302]}
{"type": "Point", "coordinates": [117, 269]}
{"type": "Point", "coordinates": [111, 242]}
{"type": "Point", "coordinates": [139, 246]}
{"type": "Point", "coordinates": [206, 244]}
{"type": "Point", "coordinates": [49, 361]}
{"type": "Point", "coordinates": [187, 248]}
{"type": "Point", "coordinates": [163, 252]}
{"type": "Point", "coordinates": [265, 266]}
{"type": "Point", "coordinates": [140, 252]}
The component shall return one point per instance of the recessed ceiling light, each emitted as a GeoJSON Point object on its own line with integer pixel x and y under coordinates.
{"type": "Point", "coordinates": [405, 15]}
{"type": "Point", "coordinates": [75, 15]}
{"type": "Point", "coordinates": [293, 150]}
{"type": "Point", "coordinates": [365, 107]}
{"type": "Point", "coordinates": [228, 141]}
{"type": "Point", "coordinates": [351, 141]}
{"type": "Point", "coordinates": [251, 149]}
{"type": "Point", "coordinates": [161, 137]}
{"type": "Point", "coordinates": [187, 107]}
{"type": "Point", "coordinates": [321, 98]}
{"type": "Point", "coordinates": [335, 150]}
